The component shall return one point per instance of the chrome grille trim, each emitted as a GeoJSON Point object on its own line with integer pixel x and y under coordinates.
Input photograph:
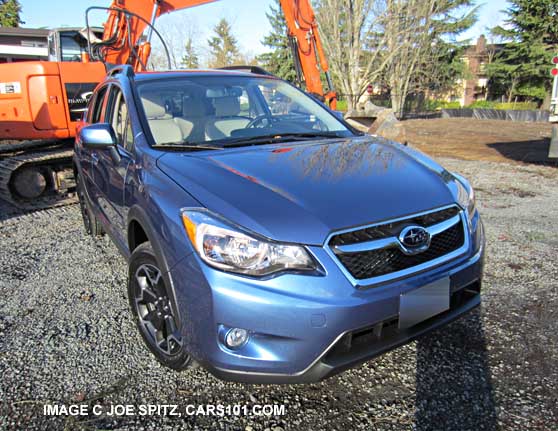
{"type": "Point", "coordinates": [394, 242]}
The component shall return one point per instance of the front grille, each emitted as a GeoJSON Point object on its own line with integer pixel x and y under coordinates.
{"type": "Point", "coordinates": [393, 228]}
{"type": "Point", "coordinates": [374, 263]}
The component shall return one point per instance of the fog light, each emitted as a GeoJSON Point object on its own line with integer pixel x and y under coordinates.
{"type": "Point", "coordinates": [236, 337]}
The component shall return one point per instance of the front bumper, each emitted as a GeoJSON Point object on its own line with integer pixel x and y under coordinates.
{"type": "Point", "coordinates": [331, 362]}
{"type": "Point", "coordinates": [307, 328]}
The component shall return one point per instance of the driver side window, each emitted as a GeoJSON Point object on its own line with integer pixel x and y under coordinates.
{"type": "Point", "coordinates": [95, 107]}
{"type": "Point", "coordinates": [119, 119]}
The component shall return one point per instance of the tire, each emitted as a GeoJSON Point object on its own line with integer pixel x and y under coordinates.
{"type": "Point", "coordinates": [153, 311]}
{"type": "Point", "coordinates": [91, 224]}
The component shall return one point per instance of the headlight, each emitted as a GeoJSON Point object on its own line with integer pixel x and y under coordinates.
{"type": "Point", "coordinates": [465, 195]}
{"type": "Point", "coordinates": [226, 247]}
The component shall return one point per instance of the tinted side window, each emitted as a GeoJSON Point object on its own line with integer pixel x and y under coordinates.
{"type": "Point", "coordinates": [117, 116]}
{"type": "Point", "coordinates": [88, 114]}
{"type": "Point", "coordinates": [96, 107]}
{"type": "Point", "coordinates": [129, 142]}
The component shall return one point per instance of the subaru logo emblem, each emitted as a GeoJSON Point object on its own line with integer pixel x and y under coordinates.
{"type": "Point", "coordinates": [414, 239]}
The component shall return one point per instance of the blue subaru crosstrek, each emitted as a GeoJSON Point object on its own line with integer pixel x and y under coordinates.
{"type": "Point", "coordinates": [266, 239]}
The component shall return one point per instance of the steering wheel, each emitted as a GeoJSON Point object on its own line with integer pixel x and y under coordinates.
{"type": "Point", "coordinates": [259, 119]}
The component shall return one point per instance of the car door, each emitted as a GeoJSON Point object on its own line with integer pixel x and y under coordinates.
{"type": "Point", "coordinates": [111, 165]}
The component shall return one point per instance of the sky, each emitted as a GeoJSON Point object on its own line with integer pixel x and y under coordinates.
{"type": "Point", "coordinates": [247, 17]}
{"type": "Point", "coordinates": [490, 15]}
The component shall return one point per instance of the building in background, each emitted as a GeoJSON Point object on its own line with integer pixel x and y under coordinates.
{"type": "Point", "coordinates": [23, 44]}
{"type": "Point", "coordinates": [474, 86]}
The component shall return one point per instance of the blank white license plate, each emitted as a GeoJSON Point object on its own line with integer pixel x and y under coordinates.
{"type": "Point", "coordinates": [423, 303]}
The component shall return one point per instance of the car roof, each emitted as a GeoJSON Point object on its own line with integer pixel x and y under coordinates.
{"type": "Point", "coordinates": [147, 76]}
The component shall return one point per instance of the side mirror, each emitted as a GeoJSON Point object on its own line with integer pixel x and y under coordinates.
{"type": "Point", "coordinates": [98, 136]}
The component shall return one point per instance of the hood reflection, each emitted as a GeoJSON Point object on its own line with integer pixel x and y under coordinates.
{"type": "Point", "coordinates": [333, 161]}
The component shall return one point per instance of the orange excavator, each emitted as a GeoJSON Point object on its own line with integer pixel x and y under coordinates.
{"type": "Point", "coordinates": [41, 101]}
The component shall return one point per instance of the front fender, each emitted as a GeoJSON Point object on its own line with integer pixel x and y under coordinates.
{"type": "Point", "coordinates": [140, 216]}
{"type": "Point", "coordinates": [155, 206]}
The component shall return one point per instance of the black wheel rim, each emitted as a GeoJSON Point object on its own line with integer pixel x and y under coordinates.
{"type": "Point", "coordinates": [154, 310]}
{"type": "Point", "coordinates": [83, 208]}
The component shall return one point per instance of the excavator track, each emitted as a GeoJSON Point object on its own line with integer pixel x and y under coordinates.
{"type": "Point", "coordinates": [35, 180]}
{"type": "Point", "coordinates": [13, 147]}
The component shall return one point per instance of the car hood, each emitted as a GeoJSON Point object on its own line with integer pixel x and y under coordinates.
{"type": "Point", "coordinates": [300, 192]}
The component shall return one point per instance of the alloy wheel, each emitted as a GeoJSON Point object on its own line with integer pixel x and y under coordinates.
{"type": "Point", "coordinates": [154, 311]}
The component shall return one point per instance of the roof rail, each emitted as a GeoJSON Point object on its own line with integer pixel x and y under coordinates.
{"type": "Point", "coordinates": [121, 68]}
{"type": "Point", "coordinates": [250, 69]}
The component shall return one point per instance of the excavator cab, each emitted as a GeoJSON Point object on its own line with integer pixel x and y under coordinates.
{"type": "Point", "coordinates": [70, 44]}
{"type": "Point", "coordinates": [41, 103]}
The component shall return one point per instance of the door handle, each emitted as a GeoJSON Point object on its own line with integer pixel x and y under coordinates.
{"type": "Point", "coordinates": [95, 159]}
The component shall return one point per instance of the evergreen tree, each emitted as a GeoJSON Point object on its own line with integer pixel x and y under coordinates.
{"type": "Point", "coordinates": [422, 35]}
{"type": "Point", "coordinates": [391, 43]}
{"type": "Point", "coordinates": [278, 60]}
{"type": "Point", "coordinates": [190, 60]}
{"type": "Point", "coordinates": [522, 67]}
{"type": "Point", "coordinates": [9, 13]}
{"type": "Point", "coordinates": [224, 46]}
{"type": "Point", "coordinates": [438, 72]}
{"type": "Point", "coordinates": [443, 61]}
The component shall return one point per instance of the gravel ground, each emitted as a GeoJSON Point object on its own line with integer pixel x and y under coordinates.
{"type": "Point", "coordinates": [66, 335]}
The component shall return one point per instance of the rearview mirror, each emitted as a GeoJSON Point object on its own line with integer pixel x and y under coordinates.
{"type": "Point", "coordinates": [98, 135]}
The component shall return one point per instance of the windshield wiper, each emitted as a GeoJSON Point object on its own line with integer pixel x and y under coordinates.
{"type": "Point", "coordinates": [187, 146]}
{"type": "Point", "coordinates": [276, 137]}
{"type": "Point", "coordinates": [245, 141]}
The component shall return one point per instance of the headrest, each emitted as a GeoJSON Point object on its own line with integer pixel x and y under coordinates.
{"type": "Point", "coordinates": [226, 106]}
{"type": "Point", "coordinates": [154, 106]}
{"type": "Point", "coordinates": [193, 108]}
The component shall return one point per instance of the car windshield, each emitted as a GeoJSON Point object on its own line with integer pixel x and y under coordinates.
{"type": "Point", "coordinates": [220, 111]}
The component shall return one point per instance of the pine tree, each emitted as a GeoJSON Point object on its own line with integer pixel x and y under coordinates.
{"type": "Point", "coordinates": [190, 60]}
{"type": "Point", "coordinates": [224, 46]}
{"type": "Point", "coordinates": [9, 13]}
{"type": "Point", "coordinates": [439, 70]}
{"type": "Point", "coordinates": [387, 42]}
{"type": "Point", "coordinates": [278, 60]}
{"type": "Point", "coordinates": [522, 67]}
{"type": "Point", "coordinates": [417, 32]}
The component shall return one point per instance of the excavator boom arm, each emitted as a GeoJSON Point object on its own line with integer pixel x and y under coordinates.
{"type": "Point", "coordinates": [124, 29]}
{"type": "Point", "coordinates": [44, 100]}
{"type": "Point", "coordinates": [308, 50]}
{"type": "Point", "coordinates": [123, 26]}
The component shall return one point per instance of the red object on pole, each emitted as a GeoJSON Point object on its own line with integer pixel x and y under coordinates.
{"type": "Point", "coordinates": [554, 72]}
{"type": "Point", "coordinates": [555, 59]}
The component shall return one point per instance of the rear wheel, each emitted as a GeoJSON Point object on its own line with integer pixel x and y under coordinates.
{"type": "Point", "coordinates": [152, 307]}
{"type": "Point", "coordinates": [91, 224]}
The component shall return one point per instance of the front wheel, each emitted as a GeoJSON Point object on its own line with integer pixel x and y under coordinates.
{"type": "Point", "coordinates": [151, 304]}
